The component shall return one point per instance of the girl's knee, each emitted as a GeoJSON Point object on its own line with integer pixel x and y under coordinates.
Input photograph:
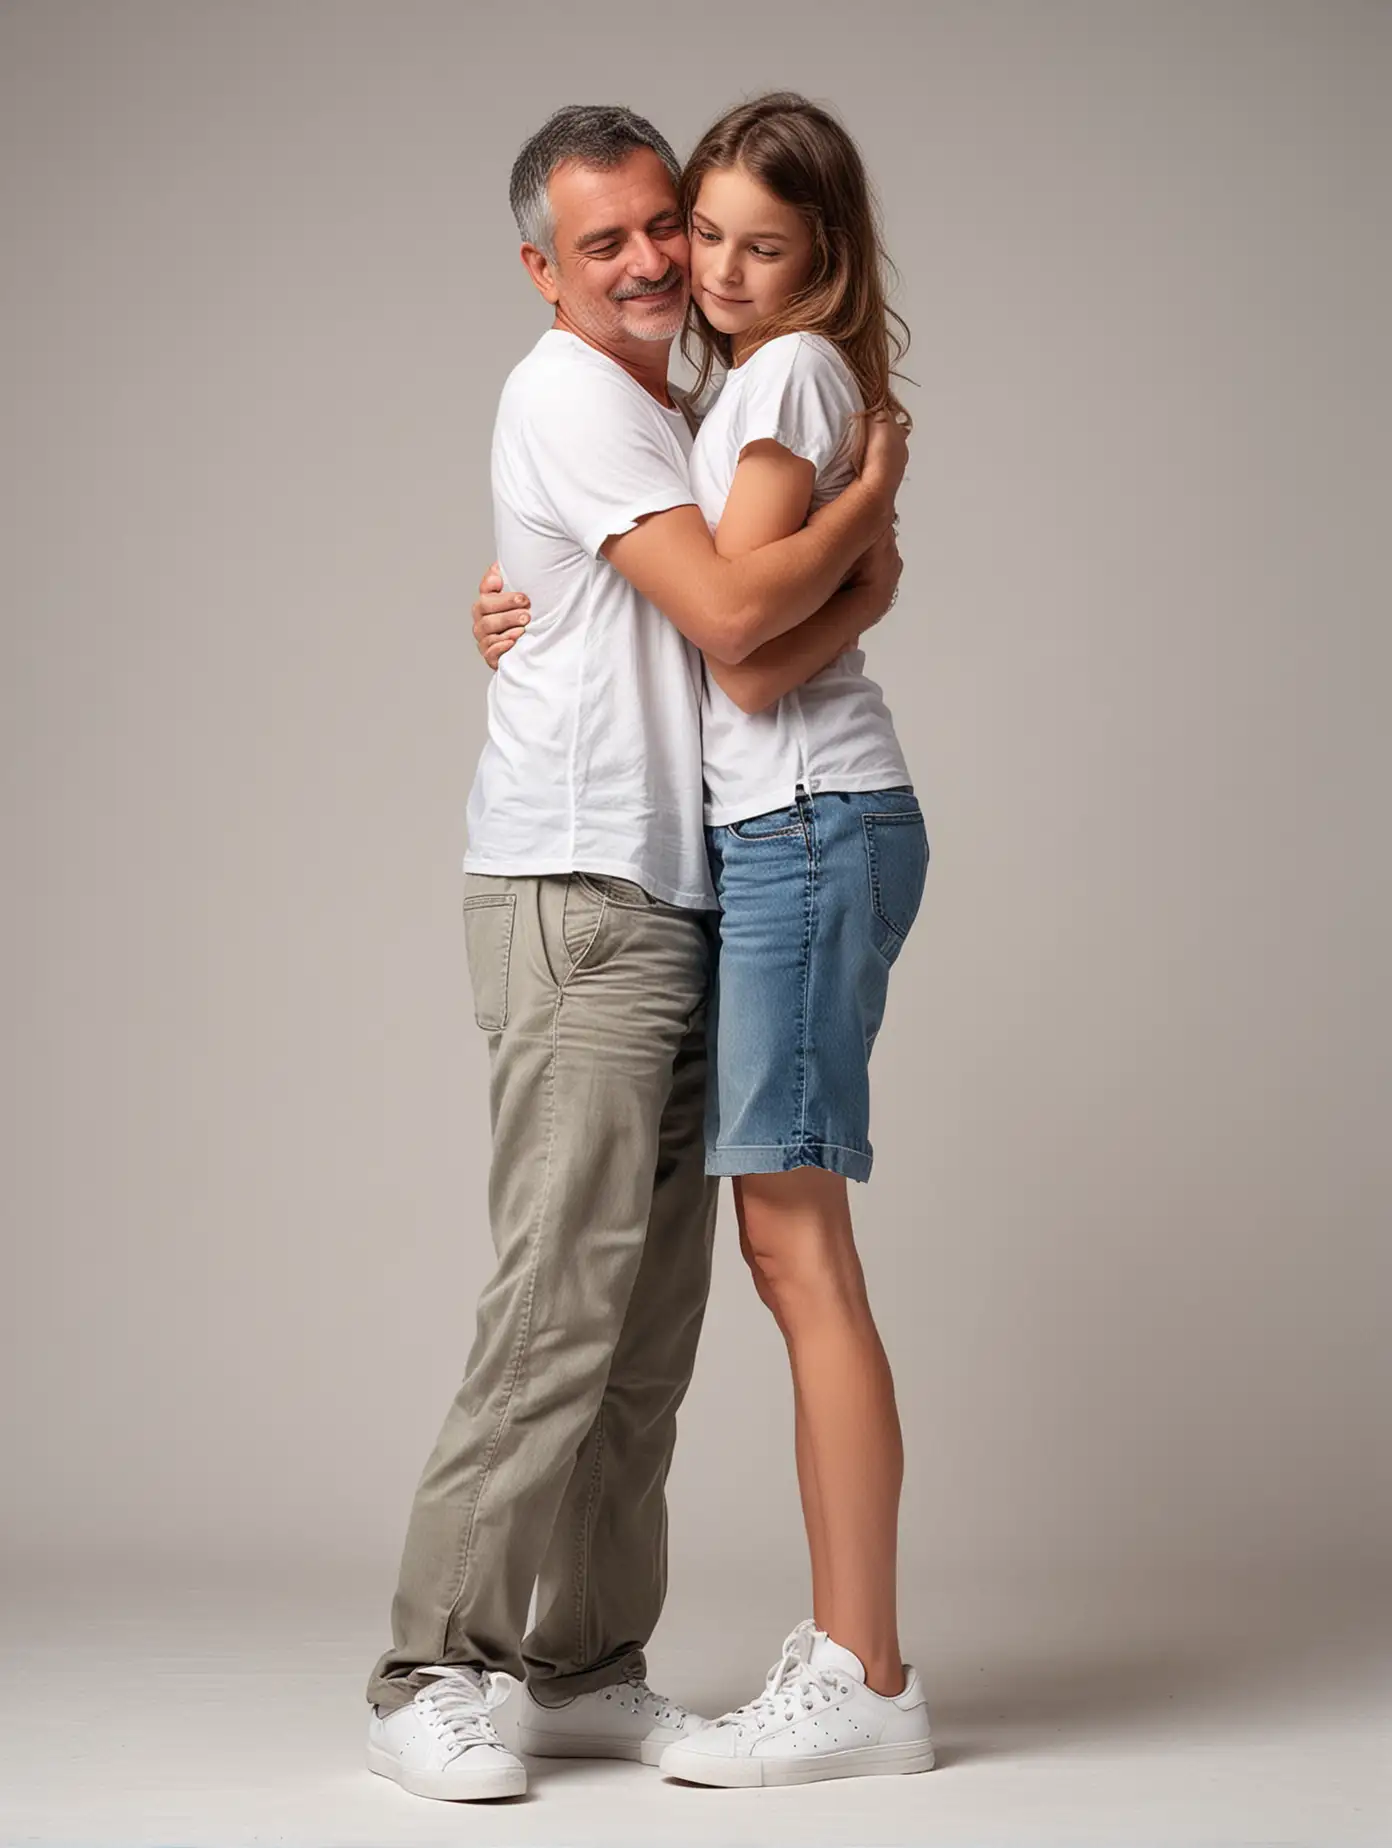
{"type": "Point", "coordinates": [794, 1269]}
{"type": "Point", "coordinates": [756, 1271]}
{"type": "Point", "coordinates": [796, 1237]}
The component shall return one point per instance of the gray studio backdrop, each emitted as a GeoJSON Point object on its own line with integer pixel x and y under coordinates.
{"type": "Point", "coordinates": [1127, 1235]}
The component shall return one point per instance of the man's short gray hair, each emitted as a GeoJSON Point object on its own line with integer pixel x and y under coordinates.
{"type": "Point", "coordinates": [599, 135]}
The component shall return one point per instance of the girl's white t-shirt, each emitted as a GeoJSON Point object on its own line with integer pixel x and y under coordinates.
{"type": "Point", "coordinates": [835, 732]}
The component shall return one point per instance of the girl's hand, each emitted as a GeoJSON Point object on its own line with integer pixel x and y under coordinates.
{"type": "Point", "coordinates": [499, 616]}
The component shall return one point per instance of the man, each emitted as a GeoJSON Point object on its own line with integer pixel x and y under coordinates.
{"type": "Point", "coordinates": [587, 899]}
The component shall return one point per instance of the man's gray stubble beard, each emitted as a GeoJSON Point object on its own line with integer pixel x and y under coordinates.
{"type": "Point", "coordinates": [645, 295]}
{"type": "Point", "coordinates": [643, 334]}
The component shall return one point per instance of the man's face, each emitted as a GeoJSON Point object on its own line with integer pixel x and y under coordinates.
{"type": "Point", "coordinates": [620, 273]}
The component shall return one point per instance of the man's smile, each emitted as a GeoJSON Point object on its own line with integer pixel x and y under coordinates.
{"type": "Point", "coordinates": [664, 294]}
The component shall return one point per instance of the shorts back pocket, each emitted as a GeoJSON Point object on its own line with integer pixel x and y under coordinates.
{"type": "Point", "coordinates": [896, 851]}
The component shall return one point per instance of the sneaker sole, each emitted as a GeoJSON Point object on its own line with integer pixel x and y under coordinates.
{"type": "Point", "coordinates": [483, 1786]}
{"type": "Point", "coordinates": [589, 1745]}
{"type": "Point", "coordinates": [696, 1767]}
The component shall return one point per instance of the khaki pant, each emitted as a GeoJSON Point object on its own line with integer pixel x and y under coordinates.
{"type": "Point", "coordinates": [552, 1463]}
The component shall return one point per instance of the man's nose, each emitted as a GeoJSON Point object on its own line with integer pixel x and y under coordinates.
{"type": "Point", "coordinates": [648, 261]}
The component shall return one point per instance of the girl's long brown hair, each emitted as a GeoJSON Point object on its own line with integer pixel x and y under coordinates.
{"type": "Point", "coordinates": [805, 158]}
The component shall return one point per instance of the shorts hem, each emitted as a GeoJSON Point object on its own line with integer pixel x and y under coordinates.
{"type": "Point", "coordinates": [783, 1157]}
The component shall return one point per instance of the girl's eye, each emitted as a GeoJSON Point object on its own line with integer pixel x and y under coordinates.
{"type": "Point", "coordinates": [761, 252]}
{"type": "Point", "coordinates": [708, 237]}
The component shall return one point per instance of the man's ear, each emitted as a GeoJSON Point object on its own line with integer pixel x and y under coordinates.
{"type": "Point", "coordinates": [539, 267]}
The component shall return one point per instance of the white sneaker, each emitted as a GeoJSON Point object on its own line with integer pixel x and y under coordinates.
{"type": "Point", "coordinates": [815, 1719]}
{"type": "Point", "coordinates": [626, 1720]}
{"type": "Point", "coordinates": [443, 1743]}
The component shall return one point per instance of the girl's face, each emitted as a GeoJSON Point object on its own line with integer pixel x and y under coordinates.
{"type": "Point", "coordinates": [749, 251]}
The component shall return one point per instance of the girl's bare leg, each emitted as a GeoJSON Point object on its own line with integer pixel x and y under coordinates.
{"type": "Point", "coordinates": [806, 1464]}
{"type": "Point", "coordinates": [796, 1229]}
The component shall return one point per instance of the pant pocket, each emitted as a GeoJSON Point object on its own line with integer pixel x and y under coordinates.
{"type": "Point", "coordinates": [620, 892]}
{"type": "Point", "coordinates": [488, 922]}
{"type": "Point", "coordinates": [776, 825]}
{"type": "Point", "coordinates": [583, 912]}
{"type": "Point", "coordinates": [896, 853]}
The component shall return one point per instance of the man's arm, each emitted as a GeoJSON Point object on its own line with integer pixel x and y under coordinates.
{"type": "Point", "coordinates": [763, 516]}
{"type": "Point", "coordinates": [768, 500]}
{"type": "Point", "coordinates": [500, 618]}
{"type": "Point", "coordinates": [762, 678]}
{"type": "Point", "coordinates": [729, 607]}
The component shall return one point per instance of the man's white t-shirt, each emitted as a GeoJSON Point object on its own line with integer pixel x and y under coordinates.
{"type": "Point", "coordinates": [835, 732]}
{"type": "Point", "coordinates": [593, 759]}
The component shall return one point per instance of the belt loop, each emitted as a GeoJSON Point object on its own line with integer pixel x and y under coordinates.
{"type": "Point", "coordinates": [805, 815]}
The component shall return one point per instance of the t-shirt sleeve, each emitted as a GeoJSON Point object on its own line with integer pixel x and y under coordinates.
{"type": "Point", "coordinates": [798, 396]}
{"type": "Point", "coordinates": [602, 459]}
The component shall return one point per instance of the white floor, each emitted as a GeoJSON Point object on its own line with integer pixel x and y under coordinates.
{"type": "Point", "coordinates": [166, 1715]}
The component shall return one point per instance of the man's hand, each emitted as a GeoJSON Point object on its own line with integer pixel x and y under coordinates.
{"type": "Point", "coordinates": [886, 456]}
{"type": "Point", "coordinates": [499, 616]}
{"type": "Point", "coordinates": [792, 659]}
{"type": "Point", "coordinates": [876, 575]}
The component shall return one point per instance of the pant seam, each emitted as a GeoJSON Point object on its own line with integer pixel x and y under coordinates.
{"type": "Point", "coordinates": [582, 1562]}
{"type": "Point", "coordinates": [808, 819]}
{"type": "Point", "coordinates": [519, 1349]}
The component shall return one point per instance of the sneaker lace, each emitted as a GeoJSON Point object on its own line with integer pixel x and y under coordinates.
{"type": "Point", "coordinates": [459, 1704]}
{"type": "Point", "coordinates": [792, 1685]}
{"type": "Point", "coordinates": [665, 1712]}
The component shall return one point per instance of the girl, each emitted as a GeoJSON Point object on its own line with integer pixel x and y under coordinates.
{"type": "Point", "coordinates": [818, 853]}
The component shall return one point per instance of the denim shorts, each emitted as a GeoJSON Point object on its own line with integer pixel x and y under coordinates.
{"type": "Point", "coordinates": [816, 901]}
